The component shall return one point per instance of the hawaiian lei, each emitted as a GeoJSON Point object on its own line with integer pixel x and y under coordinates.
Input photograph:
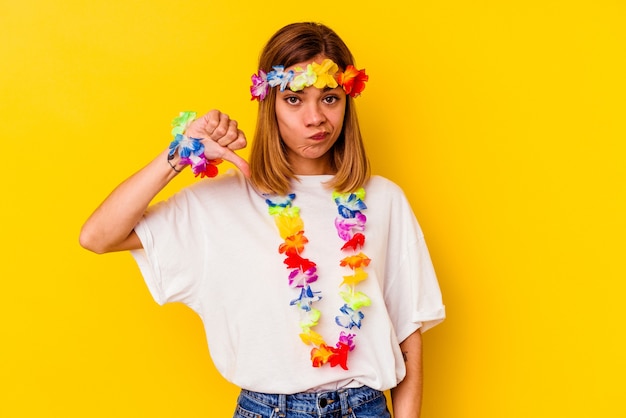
{"type": "Point", "coordinates": [350, 223]}
{"type": "Point", "coordinates": [322, 75]}
{"type": "Point", "coordinates": [191, 150]}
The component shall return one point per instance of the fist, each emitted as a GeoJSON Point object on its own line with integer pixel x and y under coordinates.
{"type": "Point", "coordinates": [221, 137]}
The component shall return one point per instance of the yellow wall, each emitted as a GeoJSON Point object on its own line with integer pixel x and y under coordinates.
{"type": "Point", "coordinates": [502, 120]}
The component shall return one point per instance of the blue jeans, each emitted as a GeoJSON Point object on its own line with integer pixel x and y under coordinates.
{"type": "Point", "coordinates": [362, 402]}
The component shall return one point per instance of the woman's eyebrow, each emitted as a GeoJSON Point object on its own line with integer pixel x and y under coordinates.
{"type": "Point", "coordinates": [289, 91]}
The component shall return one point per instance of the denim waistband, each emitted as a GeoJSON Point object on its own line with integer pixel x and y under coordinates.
{"type": "Point", "coordinates": [318, 402]}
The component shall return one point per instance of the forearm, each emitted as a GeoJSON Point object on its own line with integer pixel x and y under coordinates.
{"type": "Point", "coordinates": [407, 396]}
{"type": "Point", "coordinates": [110, 227]}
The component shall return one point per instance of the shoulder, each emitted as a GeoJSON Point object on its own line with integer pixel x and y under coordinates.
{"type": "Point", "coordinates": [229, 188]}
{"type": "Point", "coordinates": [379, 186]}
{"type": "Point", "coordinates": [230, 178]}
{"type": "Point", "coordinates": [389, 201]}
{"type": "Point", "coordinates": [230, 183]}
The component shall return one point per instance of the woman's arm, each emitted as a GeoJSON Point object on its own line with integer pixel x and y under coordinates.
{"type": "Point", "coordinates": [111, 226]}
{"type": "Point", "coordinates": [406, 398]}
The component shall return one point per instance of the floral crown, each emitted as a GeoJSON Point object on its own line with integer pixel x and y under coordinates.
{"type": "Point", "coordinates": [322, 75]}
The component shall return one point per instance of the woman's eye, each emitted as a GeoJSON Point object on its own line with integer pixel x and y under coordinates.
{"type": "Point", "coordinates": [330, 99]}
{"type": "Point", "coordinates": [292, 100]}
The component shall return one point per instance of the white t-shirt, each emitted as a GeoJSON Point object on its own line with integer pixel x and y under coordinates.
{"type": "Point", "coordinates": [214, 247]}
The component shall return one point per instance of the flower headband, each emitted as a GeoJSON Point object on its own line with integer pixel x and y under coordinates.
{"type": "Point", "coordinates": [322, 75]}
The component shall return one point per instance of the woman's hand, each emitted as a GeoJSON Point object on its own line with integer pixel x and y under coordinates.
{"type": "Point", "coordinates": [221, 137]}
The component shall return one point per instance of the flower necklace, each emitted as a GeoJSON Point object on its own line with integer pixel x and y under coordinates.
{"type": "Point", "coordinates": [350, 223]}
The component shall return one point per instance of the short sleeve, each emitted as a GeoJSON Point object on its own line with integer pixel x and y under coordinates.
{"type": "Point", "coordinates": [167, 260]}
{"type": "Point", "coordinates": [412, 292]}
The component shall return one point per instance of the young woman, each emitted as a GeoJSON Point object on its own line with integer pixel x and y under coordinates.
{"type": "Point", "coordinates": [312, 278]}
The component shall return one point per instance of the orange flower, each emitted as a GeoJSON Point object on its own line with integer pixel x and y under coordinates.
{"type": "Point", "coordinates": [354, 261]}
{"type": "Point", "coordinates": [320, 355]}
{"type": "Point", "coordinates": [353, 80]}
{"type": "Point", "coordinates": [293, 244]}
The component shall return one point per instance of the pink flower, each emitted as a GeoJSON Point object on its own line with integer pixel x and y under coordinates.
{"type": "Point", "coordinates": [345, 227]}
{"type": "Point", "coordinates": [299, 278]}
{"type": "Point", "coordinates": [346, 339]}
{"type": "Point", "coordinates": [259, 87]}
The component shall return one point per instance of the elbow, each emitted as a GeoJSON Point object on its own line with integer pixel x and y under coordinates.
{"type": "Point", "coordinates": [88, 240]}
{"type": "Point", "coordinates": [101, 241]}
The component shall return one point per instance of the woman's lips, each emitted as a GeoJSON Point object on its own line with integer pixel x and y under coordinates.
{"type": "Point", "coordinates": [319, 135]}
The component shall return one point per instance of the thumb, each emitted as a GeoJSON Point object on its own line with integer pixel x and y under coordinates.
{"type": "Point", "coordinates": [239, 162]}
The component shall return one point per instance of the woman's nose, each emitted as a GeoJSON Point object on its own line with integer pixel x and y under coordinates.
{"type": "Point", "coordinates": [315, 116]}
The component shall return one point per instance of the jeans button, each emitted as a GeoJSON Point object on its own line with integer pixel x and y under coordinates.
{"type": "Point", "coordinates": [323, 402]}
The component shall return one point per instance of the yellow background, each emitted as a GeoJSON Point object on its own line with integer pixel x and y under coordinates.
{"type": "Point", "coordinates": [502, 120]}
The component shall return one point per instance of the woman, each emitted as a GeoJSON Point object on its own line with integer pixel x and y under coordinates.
{"type": "Point", "coordinates": [312, 278]}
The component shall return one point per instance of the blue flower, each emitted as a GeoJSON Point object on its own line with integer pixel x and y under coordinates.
{"type": "Point", "coordinates": [278, 77]}
{"type": "Point", "coordinates": [350, 318]}
{"type": "Point", "coordinates": [186, 146]}
{"type": "Point", "coordinates": [349, 206]}
{"type": "Point", "coordinates": [280, 201]}
{"type": "Point", "coordinates": [306, 298]}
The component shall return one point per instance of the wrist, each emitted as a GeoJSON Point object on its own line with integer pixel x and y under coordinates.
{"type": "Point", "coordinates": [184, 150]}
{"type": "Point", "coordinates": [174, 162]}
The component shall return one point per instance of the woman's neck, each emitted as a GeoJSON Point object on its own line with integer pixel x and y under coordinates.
{"type": "Point", "coordinates": [311, 167]}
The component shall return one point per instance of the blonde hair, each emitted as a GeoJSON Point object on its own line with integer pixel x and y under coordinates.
{"type": "Point", "coordinates": [270, 170]}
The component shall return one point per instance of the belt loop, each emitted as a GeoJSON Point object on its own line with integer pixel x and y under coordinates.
{"type": "Point", "coordinates": [282, 405]}
{"type": "Point", "coordinates": [345, 405]}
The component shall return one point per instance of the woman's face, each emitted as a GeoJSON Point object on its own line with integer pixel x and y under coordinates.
{"type": "Point", "coordinates": [309, 122]}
